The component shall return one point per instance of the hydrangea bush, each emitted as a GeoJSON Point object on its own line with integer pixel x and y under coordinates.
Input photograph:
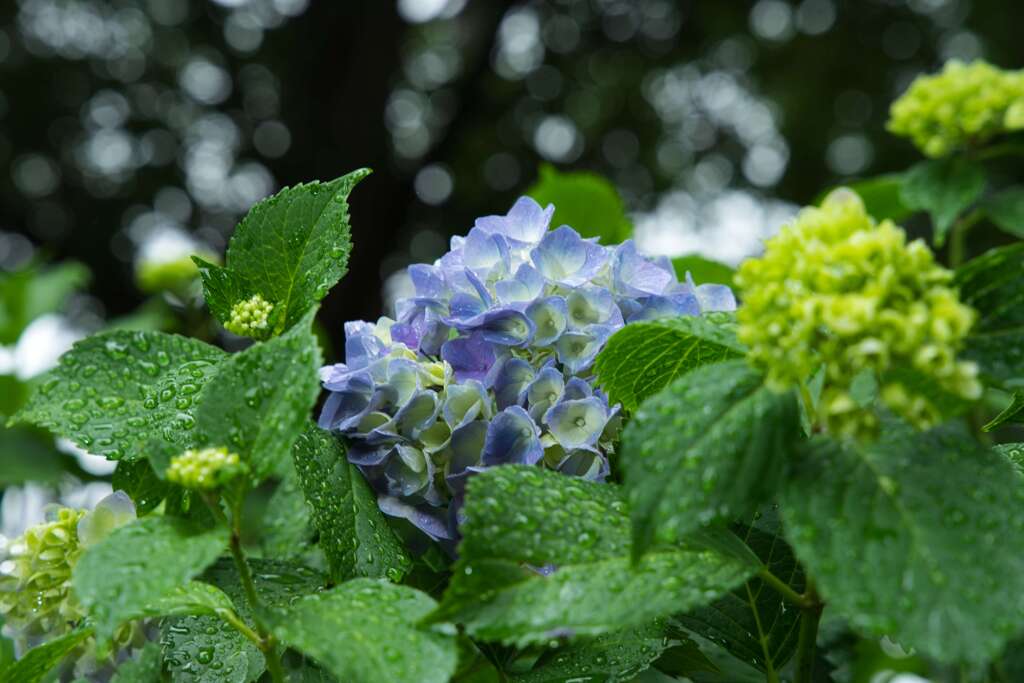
{"type": "Point", "coordinates": [560, 459]}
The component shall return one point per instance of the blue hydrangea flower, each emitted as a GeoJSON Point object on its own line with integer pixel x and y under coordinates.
{"type": "Point", "coordinates": [489, 362]}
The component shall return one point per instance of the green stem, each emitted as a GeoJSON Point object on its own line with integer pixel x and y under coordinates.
{"type": "Point", "coordinates": [783, 589]}
{"type": "Point", "coordinates": [810, 617]}
{"type": "Point", "coordinates": [232, 618]}
{"type": "Point", "coordinates": [958, 237]}
{"type": "Point", "coordinates": [261, 637]}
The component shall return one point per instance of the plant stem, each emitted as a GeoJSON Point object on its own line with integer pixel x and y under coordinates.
{"type": "Point", "coordinates": [264, 640]}
{"type": "Point", "coordinates": [809, 618]}
{"type": "Point", "coordinates": [783, 589]}
{"type": "Point", "coordinates": [958, 237]}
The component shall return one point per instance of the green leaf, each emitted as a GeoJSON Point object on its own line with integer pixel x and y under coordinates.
{"type": "Point", "coordinates": [140, 563]}
{"type": "Point", "coordinates": [520, 519]}
{"type": "Point", "coordinates": [114, 394]}
{"type": "Point", "coordinates": [195, 598]}
{"type": "Point", "coordinates": [261, 399]}
{"type": "Point", "coordinates": [643, 357]}
{"type": "Point", "coordinates": [1011, 413]}
{"type": "Point", "coordinates": [1013, 452]}
{"type": "Point", "coordinates": [882, 196]}
{"type": "Point", "coordinates": [140, 482]}
{"type": "Point", "coordinates": [702, 270]}
{"type": "Point", "coordinates": [932, 516]}
{"type": "Point", "coordinates": [585, 201]}
{"type": "Point", "coordinates": [753, 622]}
{"type": "Point", "coordinates": [611, 658]}
{"type": "Point", "coordinates": [354, 534]}
{"type": "Point", "coordinates": [145, 668]}
{"type": "Point", "coordinates": [33, 291]}
{"type": "Point", "coordinates": [290, 249]}
{"type": "Point", "coordinates": [944, 188]}
{"type": "Point", "coordinates": [1006, 209]}
{"type": "Point", "coordinates": [714, 444]}
{"type": "Point", "coordinates": [365, 631]}
{"type": "Point", "coordinates": [28, 455]}
{"type": "Point", "coordinates": [287, 530]}
{"type": "Point", "coordinates": [992, 284]}
{"type": "Point", "coordinates": [205, 649]}
{"type": "Point", "coordinates": [38, 661]}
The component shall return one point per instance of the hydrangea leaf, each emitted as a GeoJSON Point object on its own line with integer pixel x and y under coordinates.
{"type": "Point", "coordinates": [1014, 452]}
{"type": "Point", "coordinates": [585, 201]}
{"type": "Point", "coordinates": [287, 530]}
{"type": "Point", "coordinates": [643, 357]}
{"type": "Point", "coordinates": [711, 445]}
{"type": "Point", "coordinates": [261, 399]}
{"type": "Point", "coordinates": [618, 656]}
{"type": "Point", "coordinates": [354, 534]}
{"type": "Point", "coordinates": [37, 662]}
{"type": "Point", "coordinates": [290, 249]}
{"type": "Point", "coordinates": [992, 285]}
{"type": "Point", "coordinates": [919, 509]}
{"type": "Point", "coordinates": [115, 393]}
{"type": "Point", "coordinates": [365, 631]}
{"type": "Point", "coordinates": [147, 667]}
{"type": "Point", "coordinates": [1011, 413]}
{"type": "Point", "coordinates": [544, 555]}
{"type": "Point", "coordinates": [753, 622]}
{"type": "Point", "coordinates": [206, 649]}
{"type": "Point", "coordinates": [141, 483]}
{"type": "Point", "coordinates": [703, 270]}
{"type": "Point", "coordinates": [944, 188]}
{"type": "Point", "coordinates": [1006, 209]}
{"type": "Point", "coordinates": [139, 564]}
{"type": "Point", "coordinates": [882, 196]}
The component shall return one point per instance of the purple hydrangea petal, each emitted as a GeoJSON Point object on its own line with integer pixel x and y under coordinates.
{"type": "Point", "coordinates": [503, 326]}
{"type": "Point", "coordinates": [544, 391]}
{"type": "Point", "coordinates": [417, 414]}
{"type": "Point", "coordinates": [524, 224]}
{"type": "Point", "coordinates": [550, 317]}
{"type": "Point", "coordinates": [577, 423]}
{"type": "Point", "coordinates": [511, 380]}
{"type": "Point", "coordinates": [485, 253]}
{"type": "Point", "coordinates": [360, 454]}
{"type": "Point", "coordinates": [670, 306]}
{"type": "Point", "coordinates": [577, 350]}
{"type": "Point", "coordinates": [634, 275]}
{"type": "Point", "coordinates": [465, 402]}
{"type": "Point", "coordinates": [428, 281]}
{"type": "Point", "coordinates": [512, 437]}
{"type": "Point", "coordinates": [526, 286]}
{"type": "Point", "coordinates": [408, 471]}
{"type": "Point", "coordinates": [471, 357]}
{"type": "Point", "coordinates": [467, 445]}
{"type": "Point", "coordinates": [716, 298]}
{"type": "Point", "coordinates": [564, 257]}
{"type": "Point", "coordinates": [585, 464]}
{"type": "Point", "coordinates": [576, 389]}
{"type": "Point", "coordinates": [429, 520]}
{"type": "Point", "coordinates": [592, 306]}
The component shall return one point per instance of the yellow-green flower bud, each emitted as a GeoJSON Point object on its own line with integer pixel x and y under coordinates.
{"type": "Point", "coordinates": [160, 276]}
{"type": "Point", "coordinates": [207, 468]}
{"type": "Point", "coordinates": [35, 588]}
{"type": "Point", "coordinates": [835, 288]}
{"type": "Point", "coordinates": [964, 105]}
{"type": "Point", "coordinates": [249, 318]}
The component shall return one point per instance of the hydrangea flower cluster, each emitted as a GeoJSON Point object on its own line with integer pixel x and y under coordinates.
{"type": "Point", "coordinates": [489, 361]}
{"type": "Point", "coordinates": [965, 104]}
{"type": "Point", "coordinates": [249, 318]}
{"type": "Point", "coordinates": [836, 289]}
{"type": "Point", "coordinates": [35, 593]}
{"type": "Point", "coordinates": [206, 468]}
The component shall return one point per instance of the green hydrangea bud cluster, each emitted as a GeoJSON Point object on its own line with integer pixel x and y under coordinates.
{"type": "Point", "coordinates": [249, 318]}
{"type": "Point", "coordinates": [964, 105]}
{"type": "Point", "coordinates": [207, 468]}
{"type": "Point", "coordinates": [35, 589]}
{"type": "Point", "coordinates": [836, 289]}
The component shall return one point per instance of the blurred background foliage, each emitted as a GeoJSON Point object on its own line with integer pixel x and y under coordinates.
{"type": "Point", "coordinates": [136, 132]}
